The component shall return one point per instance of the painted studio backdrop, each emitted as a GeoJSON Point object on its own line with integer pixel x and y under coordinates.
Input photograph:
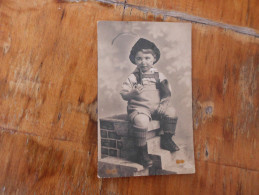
{"type": "Point", "coordinates": [115, 40]}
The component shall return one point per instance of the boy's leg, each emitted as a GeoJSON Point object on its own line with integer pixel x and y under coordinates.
{"type": "Point", "coordinates": [140, 125]}
{"type": "Point", "coordinates": [168, 124]}
{"type": "Point", "coordinates": [169, 121]}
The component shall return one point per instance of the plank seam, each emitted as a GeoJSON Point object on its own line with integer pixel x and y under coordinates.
{"type": "Point", "coordinates": [15, 131]}
{"type": "Point", "coordinates": [227, 165]}
{"type": "Point", "coordinates": [185, 17]}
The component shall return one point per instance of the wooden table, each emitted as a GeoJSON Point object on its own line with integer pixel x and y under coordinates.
{"type": "Point", "coordinates": [48, 90]}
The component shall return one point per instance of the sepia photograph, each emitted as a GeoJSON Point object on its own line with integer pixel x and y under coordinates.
{"type": "Point", "coordinates": [144, 99]}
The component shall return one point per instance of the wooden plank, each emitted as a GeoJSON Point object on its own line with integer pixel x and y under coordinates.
{"type": "Point", "coordinates": [49, 73]}
{"type": "Point", "coordinates": [38, 165]}
{"type": "Point", "coordinates": [31, 164]}
{"type": "Point", "coordinates": [48, 85]}
{"type": "Point", "coordinates": [240, 13]}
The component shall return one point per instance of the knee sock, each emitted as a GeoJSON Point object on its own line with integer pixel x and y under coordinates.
{"type": "Point", "coordinates": [140, 135]}
{"type": "Point", "coordinates": [169, 125]}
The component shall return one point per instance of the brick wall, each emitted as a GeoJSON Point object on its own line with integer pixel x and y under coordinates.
{"type": "Point", "coordinates": [116, 137]}
{"type": "Point", "coordinates": [118, 150]}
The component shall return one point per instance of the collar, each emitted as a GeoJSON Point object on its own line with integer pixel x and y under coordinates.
{"type": "Point", "coordinates": [152, 70]}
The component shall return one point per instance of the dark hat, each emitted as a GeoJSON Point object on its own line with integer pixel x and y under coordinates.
{"type": "Point", "coordinates": [143, 44]}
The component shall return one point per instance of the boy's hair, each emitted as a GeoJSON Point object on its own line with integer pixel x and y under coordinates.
{"type": "Point", "coordinates": [148, 51]}
{"type": "Point", "coordinates": [145, 46]}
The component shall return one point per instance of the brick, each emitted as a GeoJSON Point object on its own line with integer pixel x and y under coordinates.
{"type": "Point", "coordinates": [103, 134]}
{"type": "Point", "coordinates": [113, 135]}
{"type": "Point", "coordinates": [112, 143]}
{"type": "Point", "coordinates": [104, 151]}
{"type": "Point", "coordinates": [105, 124]}
{"type": "Point", "coordinates": [108, 143]}
{"type": "Point", "coordinates": [113, 152]}
{"type": "Point", "coordinates": [105, 142]}
{"type": "Point", "coordinates": [119, 145]}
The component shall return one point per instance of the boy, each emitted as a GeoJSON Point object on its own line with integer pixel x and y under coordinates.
{"type": "Point", "coordinates": [148, 93]}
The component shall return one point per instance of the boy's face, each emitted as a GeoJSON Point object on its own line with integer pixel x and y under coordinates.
{"type": "Point", "coordinates": [144, 61]}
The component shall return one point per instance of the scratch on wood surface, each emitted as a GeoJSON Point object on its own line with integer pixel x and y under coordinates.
{"type": "Point", "coordinates": [248, 87]}
{"type": "Point", "coordinates": [62, 15]}
{"type": "Point", "coordinates": [20, 131]}
{"type": "Point", "coordinates": [27, 82]}
{"type": "Point", "coordinates": [6, 45]}
{"type": "Point", "coordinates": [176, 14]}
{"type": "Point", "coordinates": [225, 80]}
{"type": "Point", "coordinates": [179, 15]}
{"type": "Point", "coordinates": [228, 129]}
{"type": "Point", "coordinates": [100, 186]}
{"type": "Point", "coordinates": [103, 2]}
{"type": "Point", "coordinates": [229, 165]}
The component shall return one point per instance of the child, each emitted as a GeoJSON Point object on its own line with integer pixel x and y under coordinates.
{"type": "Point", "coordinates": [148, 94]}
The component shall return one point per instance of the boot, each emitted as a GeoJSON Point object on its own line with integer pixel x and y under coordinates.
{"type": "Point", "coordinates": [143, 157]}
{"type": "Point", "coordinates": [167, 143]}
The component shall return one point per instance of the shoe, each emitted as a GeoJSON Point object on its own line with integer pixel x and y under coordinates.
{"type": "Point", "coordinates": [143, 157]}
{"type": "Point", "coordinates": [167, 143]}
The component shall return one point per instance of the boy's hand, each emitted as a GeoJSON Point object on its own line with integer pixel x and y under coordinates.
{"type": "Point", "coordinates": [136, 90]}
{"type": "Point", "coordinates": [162, 107]}
{"type": "Point", "coordinates": [133, 93]}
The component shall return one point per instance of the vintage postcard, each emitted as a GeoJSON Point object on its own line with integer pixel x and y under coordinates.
{"type": "Point", "coordinates": [144, 99]}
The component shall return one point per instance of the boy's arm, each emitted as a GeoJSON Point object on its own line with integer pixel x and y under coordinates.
{"type": "Point", "coordinates": [165, 90]}
{"type": "Point", "coordinates": [128, 95]}
{"type": "Point", "coordinates": [130, 89]}
{"type": "Point", "coordinates": [125, 95]}
{"type": "Point", "coordinates": [165, 94]}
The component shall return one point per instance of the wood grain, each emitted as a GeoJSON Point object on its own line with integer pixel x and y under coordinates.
{"type": "Point", "coordinates": [48, 89]}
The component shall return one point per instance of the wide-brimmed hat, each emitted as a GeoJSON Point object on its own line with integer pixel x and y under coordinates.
{"type": "Point", "coordinates": [143, 44]}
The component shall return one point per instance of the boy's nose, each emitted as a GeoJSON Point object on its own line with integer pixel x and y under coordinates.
{"type": "Point", "coordinates": [143, 61]}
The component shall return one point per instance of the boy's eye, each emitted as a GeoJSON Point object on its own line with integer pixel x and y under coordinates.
{"type": "Point", "coordinates": [147, 58]}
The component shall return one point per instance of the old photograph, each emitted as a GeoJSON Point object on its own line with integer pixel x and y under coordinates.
{"type": "Point", "coordinates": [144, 99]}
